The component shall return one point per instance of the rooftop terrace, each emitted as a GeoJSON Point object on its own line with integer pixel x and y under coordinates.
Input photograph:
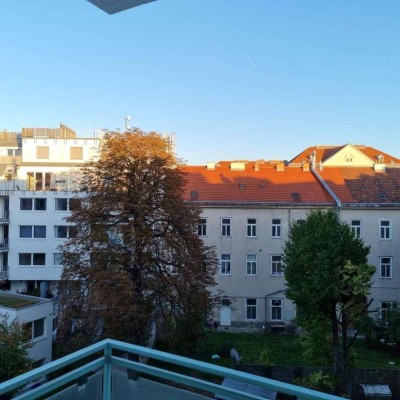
{"type": "Point", "coordinates": [106, 371]}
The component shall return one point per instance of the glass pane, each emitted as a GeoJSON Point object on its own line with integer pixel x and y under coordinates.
{"type": "Point", "coordinates": [61, 204]}
{"type": "Point", "coordinates": [40, 232]}
{"type": "Point", "coordinates": [40, 204]}
{"type": "Point", "coordinates": [25, 258]}
{"type": "Point", "coordinates": [25, 204]}
{"type": "Point", "coordinates": [39, 259]}
{"type": "Point", "coordinates": [25, 231]}
{"type": "Point", "coordinates": [38, 328]}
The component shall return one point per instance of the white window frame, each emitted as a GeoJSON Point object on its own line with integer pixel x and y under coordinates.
{"type": "Point", "coordinates": [69, 229]}
{"type": "Point", "coordinates": [251, 228]}
{"type": "Point", "coordinates": [356, 228]}
{"type": "Point", "coordinates": [32, 260]}
{"type": "Point", "coordinates": [384, 309]}
{"type": "Point", "coordinates": [385, 231]}
{"type": "Point", "coordinates": [31, 326]}
{"type": "Point", "coordinates": [276, 265]}
{"type": "Point", "coordinates": [251, 264]}
{"type": "Point", "coordinates": [226, 227]}
{"type": "Point", "coordinates": [276, 307]}
{"type": "Point", "coordinates": [251, 309]}
{"type": "Point", "coordinates": [385, 268]}
{"type": "Point", "coordinates": [33, 232]}
{"type": "Point", "coordinates": [56, 260]}
{"type": "Point", "coordinates": [225, 264]}
{"type": "Point", "coordinates": [276, 228]}
{"type": "Point", "coordinates": [202, 227]}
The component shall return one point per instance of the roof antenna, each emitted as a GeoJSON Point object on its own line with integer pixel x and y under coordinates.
{"type": "Point", "coordinates": [127, 119]}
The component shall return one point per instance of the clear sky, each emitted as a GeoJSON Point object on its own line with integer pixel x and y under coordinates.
{"type": "Point", "coordinates": [234, 79]}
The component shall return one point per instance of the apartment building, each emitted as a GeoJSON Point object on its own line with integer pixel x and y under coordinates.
{"type": "Point", "coordinates": [40, 172]}
{"type": "Point", "coordinates": [248, 208]}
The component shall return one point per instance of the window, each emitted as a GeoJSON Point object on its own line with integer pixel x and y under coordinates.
{"type": "Point", "coordinates": [57, 259]}
{"type": "Point", "coordinates": [32, 231]}
{"type": "Point", "coordinates": [386, 267]}
{"type": "Point", "coordinates": [384, 309]}
{"type": "Point", "coordinates": [251, 264]}
{"type": "Point", "coordinates": [39, 181]}
{"type": "Point", "coordinates": [61, 205]}
{"type": "Point", "coordinates": [251, 227]}
{"type": "Point", "coordinates": [42, 152]}
{"type": "Point", "coordinates": [27, 204]}
{"type": "Point", "coordinates": [202, 227]}
{"type": "Point", "coordinates": [356, 228]}
{"type": "Point", "coordinates": [276, 310]}
{"type": "Point", "coordinates": [226, 227]}
{"type": "Point", "coordinates": [276, 228]}
{"type": "Point", "coordinates": [76, 153]}
{"type": "Point", "coordinates": [64, 231]}
{"type": "Point", "coordinates": [34, 329]}
{"type": "Point", "coordinates": [225, 264]}
{"type": "Point", "coordinates": [385, 228]}
{"type": "Point", "coordinates": [32, 259]}
{"type": "Point", "coordinates": [276, 265]}
{"type": "Point", "coordinates": [251, 308]}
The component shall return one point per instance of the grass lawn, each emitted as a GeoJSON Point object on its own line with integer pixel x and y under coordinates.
{"type": "Point", "coordinates": [278, 349]}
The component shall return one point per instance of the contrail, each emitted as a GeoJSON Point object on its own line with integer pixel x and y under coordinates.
{"type": "Point", "coordinates": [252, 62]}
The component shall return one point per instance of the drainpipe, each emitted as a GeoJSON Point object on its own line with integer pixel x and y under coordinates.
{"type": "Point", "coordinates": [326, 187]}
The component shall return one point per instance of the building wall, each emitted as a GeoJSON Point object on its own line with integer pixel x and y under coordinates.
{"type": "Point", "coordinates": [42, 345]}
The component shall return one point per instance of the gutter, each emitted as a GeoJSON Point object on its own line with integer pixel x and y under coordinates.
{"type": "Point", "coordinates": [327, 188]}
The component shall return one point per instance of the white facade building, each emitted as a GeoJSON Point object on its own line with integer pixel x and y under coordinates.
{"type": "Point", "coordinates": [36, 316]}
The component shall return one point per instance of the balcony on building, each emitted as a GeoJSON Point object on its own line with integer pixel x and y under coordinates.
{"type": "Point", "coordinates": [111, 370]}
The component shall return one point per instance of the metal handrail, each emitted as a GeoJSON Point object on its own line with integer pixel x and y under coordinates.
{"type": "Point", "coordinates": [107, 360]}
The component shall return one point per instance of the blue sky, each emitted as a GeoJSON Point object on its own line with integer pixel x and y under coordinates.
{"type": "Point", "coordinates": [234, 79]}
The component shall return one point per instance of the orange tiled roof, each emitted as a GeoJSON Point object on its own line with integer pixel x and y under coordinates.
{"type": "Point", "coordinates": [325, 152]}
{"type": "Point", "coordinates": [258, 183]}
{"type": "Point", "coordinates": [364, 185]}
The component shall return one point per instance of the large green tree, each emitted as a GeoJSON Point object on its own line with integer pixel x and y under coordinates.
{"type": "Point", "coordinates": [134, 256]}
{"type": "Point", "coordinates": [14, 345]}
{"type": "Point", "coordinates": [328, 279]}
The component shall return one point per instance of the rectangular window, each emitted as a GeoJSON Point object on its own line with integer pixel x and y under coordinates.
{"type": "Point", "coordinates": [25, 204]}
{"type": "Point", "coordinates": [385, 229]}
{"type": "Point", "coordinates": [356, 228]}
{"type": "Point", "coordinates": [42, 152]}
{"type": "Point", "coordinates": [40, 204]}
{"type": "Point", "coordinates": [225, 227]}
{"type": "Point", "coordinates": [251, 264]}
{"type": "Point", "coordinates": [34, 329]}
{"type": "Point", "coordinates": [276, 265]}
{"type": "Point", "coordinates": [202, 227]}
{"type": "Point", "coordinates": [251, 227]}
{"type": "Point", "coordinates": [276, 310]}
{"type": "Point", "coordinates": [32, 259]}
{"type": "Point", "coordinates": [35, 231]}
{"type": "Point", "coordinates": [76, 153]}
{"type": "Point", "coordinates": [251, 309]}
{"type": "Point", "coordinates": [57, 259]}
{"type": "Point", "coordinates": [61, 231]}
{"type": "Point", "coordinates": [385, 267]}
{"type": "Point", "coordinates": [225, 264]}
{"type": "Point", "coordinates": [384, 308]}
{"type": "Point", "coordinates": [61, 205]}
{"type": "Point", "coordinates": [276, 228]}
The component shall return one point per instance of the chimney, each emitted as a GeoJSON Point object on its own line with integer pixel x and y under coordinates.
{"type": "Point", "coordinates": [211, 165]}
{"type": "Point", "coordinates": [313, 159]}
{"type": "Point", "coordinates": [280, 166]}
{"type": "Point", "coordinates": [305, 166]}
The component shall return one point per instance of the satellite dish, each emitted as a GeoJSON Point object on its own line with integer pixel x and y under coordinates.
{"type": "Point", "coordinates": [235, 355]}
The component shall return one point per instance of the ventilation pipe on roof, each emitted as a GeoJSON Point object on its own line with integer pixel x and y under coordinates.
{"type": "Point", "coordinates": [313, 159]}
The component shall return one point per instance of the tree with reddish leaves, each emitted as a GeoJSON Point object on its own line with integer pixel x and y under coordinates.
{"type": "Point", "coordinates": [135, 258]}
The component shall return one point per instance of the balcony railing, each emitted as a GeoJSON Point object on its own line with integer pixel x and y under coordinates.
{"type": "Point", "coordinates": [3, 275]}
{"type": "Point", "coordinates": [5, 217]}
{"type": "Point", "coordinates": [3, 245]}
{"type": "Point", "coordinates": [109, 375]}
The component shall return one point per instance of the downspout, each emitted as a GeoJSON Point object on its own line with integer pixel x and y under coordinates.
{"type": "Point", "coordinates": [325, 185]}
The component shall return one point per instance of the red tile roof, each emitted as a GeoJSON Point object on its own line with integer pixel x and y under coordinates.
{"type": "Point", "coordinates": [265, 185]}
{"type": "Point", "coordinates": [364, 185]}
{"type": "Point", "coordinates": [325, 152]}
